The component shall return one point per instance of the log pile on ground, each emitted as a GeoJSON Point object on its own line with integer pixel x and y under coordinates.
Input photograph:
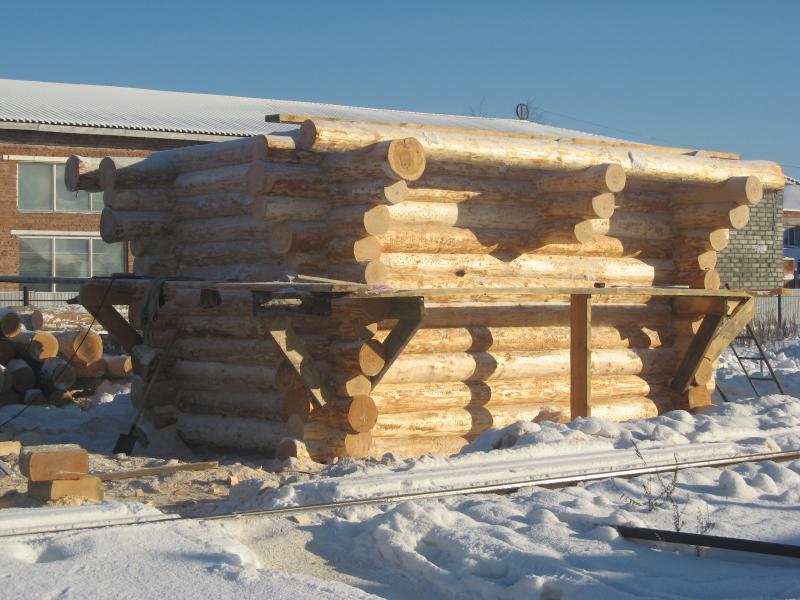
{"type": "Point", "coordinates": [40, 366]}
{"type": "Point", "coordinates": [414, 207]}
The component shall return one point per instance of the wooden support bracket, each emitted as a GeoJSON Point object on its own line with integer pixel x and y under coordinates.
{"type": "Point", "coordinates": [409, 313]}
{"type": "Point", "coordinates": [300, 358]}
{"type": "Point", "coordinates": [99, 299]}
{"type": "Point", "coordinates": [580, 350]}
{"type": "Point", "coordinates": [715, 334]}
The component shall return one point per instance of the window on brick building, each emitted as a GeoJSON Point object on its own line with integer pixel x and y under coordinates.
{"type": "Point", "coordinates": [40, 188]}
{"type": "Point", "coordinates": [791, 236]}
{"type": "Point", "coordinates": [54, 256]}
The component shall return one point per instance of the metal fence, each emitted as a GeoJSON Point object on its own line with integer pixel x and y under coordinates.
{"type": "Point", "coordinates": [31, 298]}
{"type": "Point", "coordinates": [778, 317]}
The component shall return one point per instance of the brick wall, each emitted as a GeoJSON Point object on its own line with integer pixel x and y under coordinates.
{"type": "Point", "coordinates": [34, 143]}
{"type": "Point", "coordinates": [754, 256]}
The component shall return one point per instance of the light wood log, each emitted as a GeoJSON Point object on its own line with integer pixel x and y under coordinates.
{"type": "Point", "coordinates": [152, 246]}
{"type": "Point", "coordinates": [489, 155]}
{"type": "Point", "coordinates": [212, 155]}
{"type": "Point", "coordinates": [81, 173]}
{"type": "Point", "coordinates": [211, 181]}
{"type": "Point", "coordinates": [225, 349]}
{"type": "Point", "coordinates": [215, 204]}
{"type": "Point", "coordinates": [380, 219]}
{"type": "Point", "coordinates": [442, 239]}
{"type": "Point", "coordinates": [507, 366]}
{"type": "Point", "coordinates": [268, 405]}
{"type": "Point", "coordinates": [61, 398]}
{"type": "Point", "coordinates": [7, 351]}
{"type": "Point", "coordinates": [92, 370]}
{"type": "Point", "coordinates": [119, 366]}
{"type": "Point", "coordinates": [211, 253]}
{"type": "Point", "coordinates": [274, 209]}
{"type": "Point", "coordinates": [511, 339]}
{"type": "Point", "coordinates": [642, 201]}
{"type": "Point", "coordinates": [368, 271]}
{"type": "Point", "coordinates": [694, 306]}
{"type": "Point", "coordinates": [600, 179]}
{"type": "Point", "coordinates": [31, 318]}
{"type": "Point", "coordinates": [55, 374]}
{"type": "Point", "coordinates": [527, 393]}
{"type": "Point", "coordinates": [35, 345]}
{"type": "Point", "coordinates": [702, 241]}
{"type": "Point", "coordinates": [262, 176]}
{"type": "Point", "coordinates": [128, 172]}
{"type": "Point", "coordinates": [117, 226]}
{"type": "Point", "coordinates": [282, 148]}
{"type": "Point", "coordinates": [236, 271]}
{"type": "Point", "coordinates": [704, 280]}
{"type": "Point", "coordinates": [616, 271]}
{"type": "Point", "coordinates": [368, 357]}
{"type": "Point", "coordinates": [457, 189]}
{"type": "Point", "coordinates": [162, 393]}
{"type": "Point", "coordinates": [395, 159]}
{"type": "Point", "coordinates": [10, 323]}
{"type": "Point", "coordinates": [412, 447]}
{"type": "Point", "coordinates": [138, 199]}
{"type": "Point", "coordinates": [155, 265]}
{"type": "Point", "coordinates": [735, 191]}
{"type": "Point", "coordinates": [324, 441]}
{"type": "Point", "coordinates": [688, 260]}
{"type": "Point", "coordinates": [576, 204]}
{"type": "Point", "coordinates": [222, 376]}
{"type": "Point", "coordinates": [713, 216]}
{"type": "Point", "coordinates": [82, 344]}
{"type": "Point", "coordinates": [570, 231]}
{"type": "Point", "coordinates": [22, 376]}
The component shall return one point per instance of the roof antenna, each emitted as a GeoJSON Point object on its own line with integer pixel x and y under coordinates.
{"type": "Point", "coordinates": [523, 111]}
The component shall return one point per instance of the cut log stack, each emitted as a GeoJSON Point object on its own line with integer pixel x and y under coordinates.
{"type": "Point", "coordinates": [56, 472]}
{"type": "Point", "coordinates": [415, 207]}
{"type": "Point", "coordinates": [40, 367]}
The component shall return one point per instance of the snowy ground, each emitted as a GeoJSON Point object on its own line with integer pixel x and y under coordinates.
{"type": "Point", "coordinates": [535, 543]}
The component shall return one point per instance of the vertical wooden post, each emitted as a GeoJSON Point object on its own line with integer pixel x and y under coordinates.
{"type": "Point", "coordinates": [580, 355]}
{"type": "Point", "coordinates": [26, 296]}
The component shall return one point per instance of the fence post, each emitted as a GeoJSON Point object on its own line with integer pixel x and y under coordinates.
{"type": "Point", "coordinates": [780, 315]}
{"type": "Point", "coordinates": [26, 296]}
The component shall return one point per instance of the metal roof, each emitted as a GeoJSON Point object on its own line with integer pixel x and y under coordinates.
{"type": "Point", "coordinates": [101, 106]}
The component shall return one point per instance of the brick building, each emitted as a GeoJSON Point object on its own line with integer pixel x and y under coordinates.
{"type": "Point", "coordinates": [46, 230]}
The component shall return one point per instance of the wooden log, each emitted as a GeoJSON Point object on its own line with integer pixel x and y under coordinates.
{"type": "Point", "coordinates": [222, 376]}
{"type": "Point", "coordinates": [118, 366]}
{"type": "Point", "coordinates": [511, 339]}
{"type": "Point", "coordinates": [52, 462]}
{"type": "Point", "coordinates": [86, 488]}
{"type": "Point", "coordinates": [92, 370]}
{"type": "Point", "coordinates": [22, 376]}
{"type": "Point", "coordinates": [570, 231]}
{"type": "Point", "coordinates": [155, 265]}
{"type": "Point", "coordinates": [225, 349]}
{"type": "Point", "coordinates": [31, 318]}
{"type": "Point", "coordinates": [201, 157]}
{"type": "Point", "coordinates": [580, 356]}
{"type": "Point", "coordinates": [154, 171]}
{"type": "Point", "coordinates": [211, 181]}
{"type": "Point", "coordinates": [282, 148]}
{"type": "Point", "coordinates": [61, 398]}
{"type": "Point", "coordinates": [269, 405]}
{"type": "Point", "coordinates": [231, 432]}
{"type": "Point", "coordinates": [442, 239]}
{"type": "Point", "coordinates": [734, 191]}
{"type": "Point", "coordinates": [81, 173]}
{"type": "Point", "coordinates": [215, 204]}
{"type": "Point", "coordinates": [542, 392]}
{"type": "Point", "coordinates": [324, 441]}
{"type": "Point", "coordinates": [152, 246]}
{"type": "Point", "coordinates": [236, 271]}
{"type": "Point", "coordinates": [713, 216]}
{"type": "Point", "coordinates": [600, 179]}
{"type": "Point", "coordinates": [35, 397]}
{"type": "Point", "coordinates": [457, 189]}
{"type": "Point", "coordinates": [6, 380]}
{"type": "Point", "coordinates": [368, 271]}
{"type": "Point", "coordinates": [212, 253]}
{"type": "Point", "coordinates": [408, 447]}
{"type": "Point", "coordinates": [222, 229]}
{"type": "Point", "coordinates": [7, 351]}
{"type": "Point", "coordinates": [356, 415]}
{"type": "Point", "coordinates": [380, 219]}
{"type": "Point", "coordinates": [704, 280]}
{"type": "Point", "coordinates": [696, 306]}
{"type": "Point", "coordinates": [689, 260]}
{"type": "Point", "coordinates": [138, 199]}
{"type": "Point", "coordinates": [82, 344]}
{"type": "Point", "coordinates": [35, 345]}
{"type": "Point", "coordinates": [274, 209]}
{"type": "Point", "coordinates": [10, 322]}
{"type": "Point", "coordinates": [497, 155]}
{"type": "Point", "coordinates": [508, 366]}
{"type": "Point", "coordinates": [576, 204]}
{"type": "Point", "coordinates": [616, 271]}
{"type": "Point", "coordinates": [118, 226]}
{"type": "Point", "coordinates": [262, 177]}
{"type": "Point", "coordinates": [642, 201]}
{"type": "Point", "coordinates": [368, 356]}
{"type": "Point", "coordinates": [162, 393]}
{"type": "Point", "coordinates": [702, 240]}
{"type": "Point", "coordinates": [395, 159]}
{"type": "Point", "coordinates": [55, 374]}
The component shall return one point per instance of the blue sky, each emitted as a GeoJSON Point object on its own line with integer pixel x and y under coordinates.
{"type": "Point", "coordinates": [715, 75]}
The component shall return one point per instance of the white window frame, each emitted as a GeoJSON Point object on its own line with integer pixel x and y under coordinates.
{"type": "Point", "coordinates": [53, 161]}
{"type": "Point", "coordinates": [68, 235]}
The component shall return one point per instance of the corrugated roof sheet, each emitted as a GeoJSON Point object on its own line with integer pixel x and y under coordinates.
{"type": "Point", "coordinates": [205, 114]}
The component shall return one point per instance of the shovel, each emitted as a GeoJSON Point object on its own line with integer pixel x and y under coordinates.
{"type": "Point", "coordinates": [127, 441]}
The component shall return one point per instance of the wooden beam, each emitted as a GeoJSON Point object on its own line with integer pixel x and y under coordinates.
{"type": "Point", "coordinates": [410, 312]}
{"type": "Point", "coordinates": [299, 357]}
{"type": "Point", "coordinates": [696, 352]}
{"type": "Point", "coordinates": [580, 355]}
{"type": "Point", "coordinates": [99, 299]}
{"type": "Point", "coordinates": [150, 471]}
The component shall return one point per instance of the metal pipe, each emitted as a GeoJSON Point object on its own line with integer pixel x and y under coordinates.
{"type": "Point", "coordinates": [42, 280]}
{"type": "Point", "coordinates": [708, 541]}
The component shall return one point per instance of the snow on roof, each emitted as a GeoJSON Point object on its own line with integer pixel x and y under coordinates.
{"type": "Point", "coordinates": [80, 105]}
{"type": "Point", "coordinates": [791, 195]}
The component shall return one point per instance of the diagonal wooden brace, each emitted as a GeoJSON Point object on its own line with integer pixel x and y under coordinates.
{"type": "Point", "coordinates": [409, 312]}
{"type": "Point", "coordinates": [99, 299]}
{"type": "Point", "coordinates": [300, 358]}
{"type": "Point", "coordinates": [715, 334]}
